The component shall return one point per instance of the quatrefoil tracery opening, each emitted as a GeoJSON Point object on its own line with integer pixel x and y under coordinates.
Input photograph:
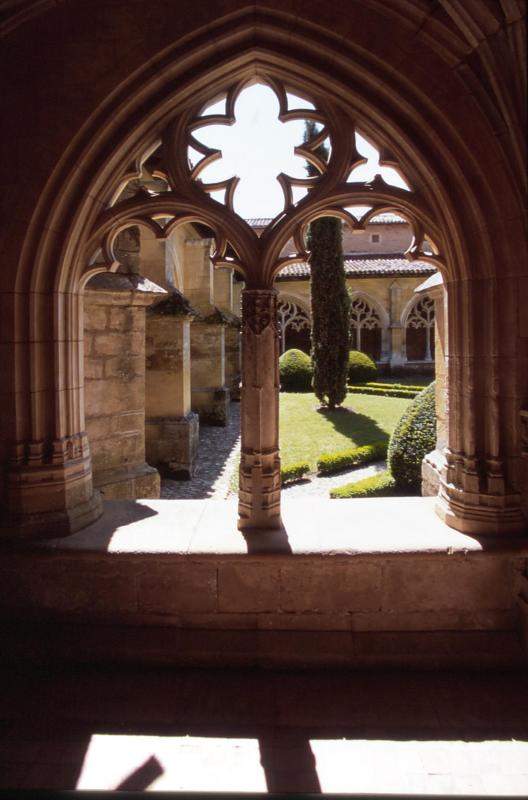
{"type": "Point", "coordinates": [166, 186]}
{"type": "Point", "coordinates": [250, 146]}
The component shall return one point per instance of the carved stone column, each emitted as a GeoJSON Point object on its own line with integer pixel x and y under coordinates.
{"type": "Point", "coordinates": [481, 483]}
{"type": "Point", "coordinates": [48, 488]}
{"type": "Point", "coordinates": [259, 495]}
{"type": "Point", "coordinates": [396, 332]}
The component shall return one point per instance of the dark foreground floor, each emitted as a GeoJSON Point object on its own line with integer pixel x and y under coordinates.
{"type": "Point", "coordinates": [242, 730]}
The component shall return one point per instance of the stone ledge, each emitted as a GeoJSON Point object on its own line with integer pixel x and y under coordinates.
{"type": "Point", "coordinates": [183, 565]}
{"type": "Point", "coordinates": [327, 528]}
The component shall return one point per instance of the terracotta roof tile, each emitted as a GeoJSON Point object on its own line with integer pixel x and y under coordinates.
{"type": "Point", "coordinates": [386, 218]}
{"type": "Point", "coordinates": [364, 264]}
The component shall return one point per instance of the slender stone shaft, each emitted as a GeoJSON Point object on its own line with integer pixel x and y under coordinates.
{"type": "Point", "coordinates": [259, 494]}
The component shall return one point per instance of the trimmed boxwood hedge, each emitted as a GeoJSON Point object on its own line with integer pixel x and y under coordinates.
{"type": "Point", "coordinates": [414, 386]}
{"type": "Point", "coordinates": [380, 485]}
{"type": "Point", "coordinates": [294, 472]}
{"type": "Point", "coordinates": [412, 438]}
{"type": "Point", "coordinates": [361, 368]}
{"type": "Point", "coordinates": [335, 462]}
{"type": "Point", "coordinates": [387, 391]}
{"type": "Point", "coordinates": [296, 371]}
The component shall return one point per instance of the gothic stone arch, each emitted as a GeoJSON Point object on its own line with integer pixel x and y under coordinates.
{"type": "Point", "coordinates": [467, 198]}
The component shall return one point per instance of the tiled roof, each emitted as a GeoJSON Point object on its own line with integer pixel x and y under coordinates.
{"type": "Point", "coordinates": [259, 222]}
{"type": "Point", "coordinates": [387, 218]}
{"type": "Point", "coordinates": [361, 265]}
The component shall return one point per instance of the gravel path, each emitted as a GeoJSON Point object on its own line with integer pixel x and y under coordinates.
{"type": "Point", "coordinates": [218, 453]}
{"type": "Point", "coordinates": [320, 486]}
{"type": "Point", "coordinates": [218, 457]}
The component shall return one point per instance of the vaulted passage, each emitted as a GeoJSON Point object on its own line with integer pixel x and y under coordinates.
{"type": "Point", "coordinates": [138, 301]}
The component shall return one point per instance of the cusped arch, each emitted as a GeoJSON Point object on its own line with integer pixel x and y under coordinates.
{"type": "Point", "coordinates": [139, 113]}
{"type": "Point", "coordinates": [113, 141]}
{"type": "Point", "coordinates": [455, 201]}
{"type": "Point", "coordinates": [372, 301]}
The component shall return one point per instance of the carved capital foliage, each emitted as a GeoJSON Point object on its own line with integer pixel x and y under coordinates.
{"type": "Point", "coordinates": [259, 310]}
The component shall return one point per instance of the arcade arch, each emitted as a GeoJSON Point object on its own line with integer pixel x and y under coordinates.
{"type": "Point", "coordinates": [481, 479]}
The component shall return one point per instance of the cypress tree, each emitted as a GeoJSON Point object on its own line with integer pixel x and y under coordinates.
{"type": "Point", "coordinates": [330, 302]}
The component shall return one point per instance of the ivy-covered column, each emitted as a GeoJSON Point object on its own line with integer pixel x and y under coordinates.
{"type": "Point", "coordinates": [259, 493]}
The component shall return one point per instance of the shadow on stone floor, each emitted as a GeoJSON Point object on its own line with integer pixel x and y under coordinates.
{"type": "Point", "coordinates": [49, 717]}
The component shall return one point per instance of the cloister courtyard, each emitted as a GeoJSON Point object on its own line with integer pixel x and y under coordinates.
{"type": "Point", "coordinates": [305, 434]}
{"type": "Point", "coordinates": [264, 397]}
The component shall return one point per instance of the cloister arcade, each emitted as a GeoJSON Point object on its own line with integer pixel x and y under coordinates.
{"type": "Point", "coordinates": [369, 329]}
{"type": "Point", "coordinates": [105, 113]}
{"type": "Point", "coordinates": [481, 485]}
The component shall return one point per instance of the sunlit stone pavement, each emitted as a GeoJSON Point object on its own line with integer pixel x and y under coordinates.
{"type": "Point", "coordinates": [451, 732]}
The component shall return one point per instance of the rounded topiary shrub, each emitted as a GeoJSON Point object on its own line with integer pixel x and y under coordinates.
{"type": "Point", "coordinates": [361, 368]}
{"type": "Point", "coordinates": [296, 371]}
{"type": "Point", "coordinates": [414, 436]}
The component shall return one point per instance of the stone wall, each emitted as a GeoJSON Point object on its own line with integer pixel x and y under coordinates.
{"type": "Point", "coordinates": [114, 369]}
{"type": "Point", "coordinates": [426, 597]}
{"type": "Point", "coordinates": [171, 428]}
{"type": "Point", "coordinates": [392, 238]}
{"type": "Point", "coordinates": [210, 395]}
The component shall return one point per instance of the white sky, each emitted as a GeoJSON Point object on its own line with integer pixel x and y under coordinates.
{"type": "Point", "coordinates": [258, 147]}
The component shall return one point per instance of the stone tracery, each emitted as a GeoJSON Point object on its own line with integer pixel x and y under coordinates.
{"type": "Point", "coordinates": [476, 426]}
{"type": "Point", "coordinates": [291, 316]}
{"type": "Point", "coordinates": [362, 317]}
{"type": "Point", "coordinates": [185, 198]}
{"type": "Point", "coordinates": [422, 318]}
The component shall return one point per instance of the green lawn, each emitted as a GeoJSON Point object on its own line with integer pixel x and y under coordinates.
{"type": "Point", "coordinates": [306, 434]}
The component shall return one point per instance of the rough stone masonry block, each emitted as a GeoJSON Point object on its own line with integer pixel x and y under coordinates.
{"type": "Point", "coordinates": [331, 587]}
{"type": "Point", "coordinates": [58, 587]}
{"type": "Point", "coordinates": [172, 444]}
{"type": "Point", "coordinates": [109, 344]}
{"type": "Point", "coordinates": [95, 318]}
{"type": "Point", "coordinates": [179, 587]}
{"type": "Point", "coordinates": [248, 587]}
{"type": "Point", "coordinates": [212, 405]}
{"type": "Point", "coordinates": [456, 584]}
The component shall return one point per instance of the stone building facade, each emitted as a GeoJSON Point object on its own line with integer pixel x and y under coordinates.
{"type": "Point", "coordinates": [387, 319]}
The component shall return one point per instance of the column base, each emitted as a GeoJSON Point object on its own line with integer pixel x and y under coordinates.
{"type": "Point", "coordinates": [171, 444]}
{"type": "Point", "coordinates": [212, 405]}
{"type": "Point", "coordinates": [51, 524]}
{"type": "Point", "coordinates": [483, 520]}
{"type": "Point", "coordinates": [129, 483]}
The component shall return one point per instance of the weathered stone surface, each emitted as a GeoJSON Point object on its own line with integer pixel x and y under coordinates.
{"type": "Point", "coordinates": [67, 589]}
{"type": "Point", "coordinates": [180, 587]}
{"type": "Point", "coordinates": [249, 587]}
{"type": "Point", "coordinates": [172, 444]}
{"type": "Point", "coordinates": [452, 583]}
{"type": "Point", "coordinates": [335, 588]}
{"type": "Point", "coordinates": [212, 405]}
{"type": "Point", "coordinates": [115, 393]}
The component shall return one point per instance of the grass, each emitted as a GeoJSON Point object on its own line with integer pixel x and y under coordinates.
{"type": "Point", "coordinates": [306, 434]}
{"type": "Point", "coordinates": [380, 485]}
